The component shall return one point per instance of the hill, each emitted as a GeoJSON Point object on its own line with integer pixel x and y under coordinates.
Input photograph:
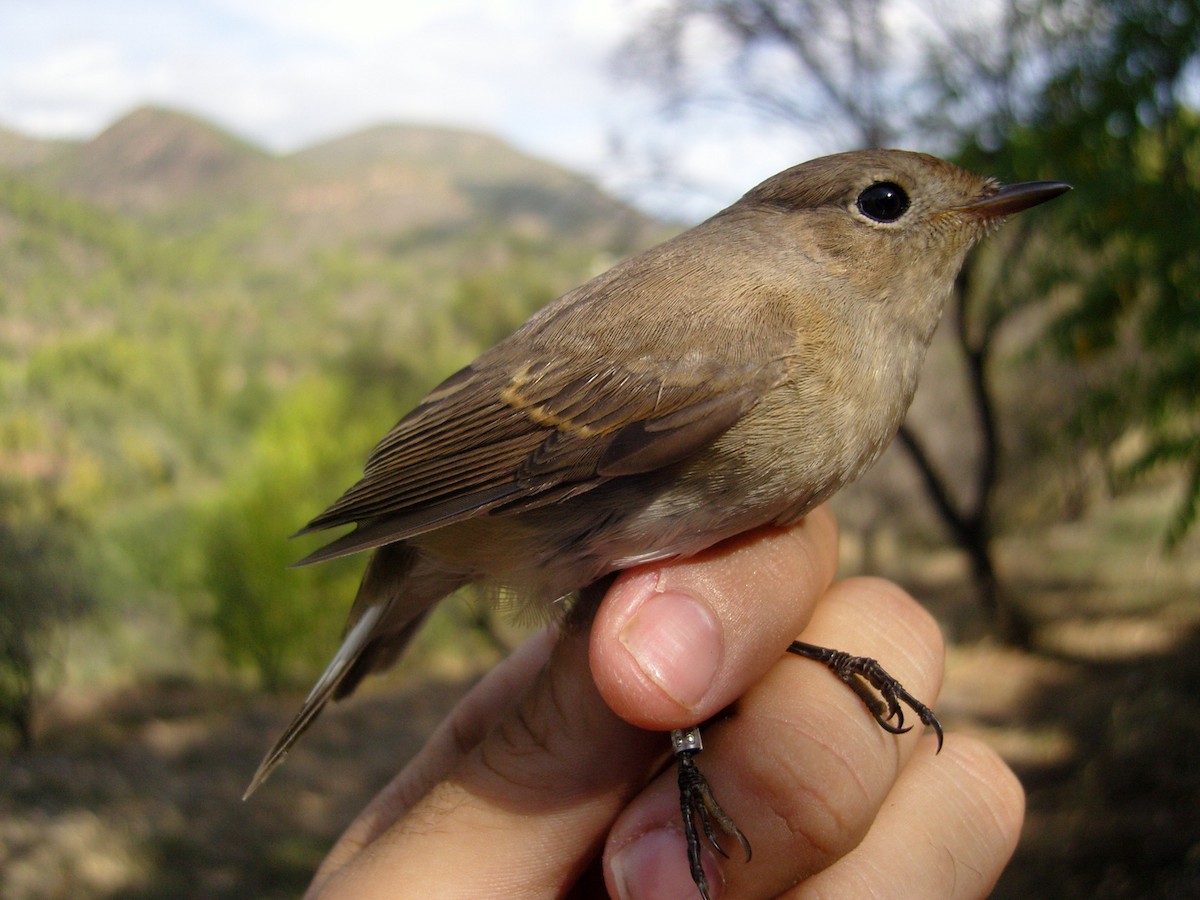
{"type": "Point", "coordinates": [453, 176]}
{"type": "Point", "coordinates": [18, 152]}
{"type": "Point", "coordinates": [155, 160]}
{"type": "Point", "coordinates": [167, 230]}
{"type": "Point", "coordinates": [199, 344]}
{"type": "Point", "coordinates": [195, 332]}
{"type": "Point", "coordinates": [376, 186]}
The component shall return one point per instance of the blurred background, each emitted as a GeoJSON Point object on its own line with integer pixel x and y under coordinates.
{"type": "Point", "coordinates": [236, 244]}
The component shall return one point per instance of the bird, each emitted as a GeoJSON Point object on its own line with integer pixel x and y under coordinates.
{"type": "Point", "coordinates": [734, 376]}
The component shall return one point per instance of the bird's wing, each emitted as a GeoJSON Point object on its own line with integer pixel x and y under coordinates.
{"type": "Point", "coordinates": [494, 437]}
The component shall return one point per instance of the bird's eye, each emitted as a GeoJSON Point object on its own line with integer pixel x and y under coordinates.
{"type": "Point", "coordinates": [884, 201]}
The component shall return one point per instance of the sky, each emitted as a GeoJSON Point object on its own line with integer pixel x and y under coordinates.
{"type": "Point", "coordinates": [287, 73]}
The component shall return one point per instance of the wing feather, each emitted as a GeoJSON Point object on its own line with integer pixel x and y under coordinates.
{"type": "Point", "coordinates": [584, 392]}
{"type": "Point", "coordinates": [506, 442]}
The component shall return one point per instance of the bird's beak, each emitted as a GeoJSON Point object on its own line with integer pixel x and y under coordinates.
{"type": "Point", "coordinates": [1012, 198]}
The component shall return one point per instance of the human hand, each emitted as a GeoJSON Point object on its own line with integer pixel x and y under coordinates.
{"type": "Point", "coordinates": [548, 778]}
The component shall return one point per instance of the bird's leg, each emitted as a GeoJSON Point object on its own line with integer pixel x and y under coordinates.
{"type": "Point", "coordinates": [883, 695]}
{"type": "Point", "coordinates": [701, 811]}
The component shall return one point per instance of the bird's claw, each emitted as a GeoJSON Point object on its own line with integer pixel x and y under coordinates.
{"type": "Point", "coordinates": [883, 695]}
{"type": "Point", "coordinates": [702, 812]}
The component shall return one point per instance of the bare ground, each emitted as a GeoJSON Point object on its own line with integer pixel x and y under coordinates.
{"type": "Point", "coordinates": [137, 793]}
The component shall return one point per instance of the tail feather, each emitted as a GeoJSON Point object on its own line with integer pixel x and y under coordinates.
{"type": "Point", "coordinates": [341, 665]}
{"type": "Point", "coordinates": [378, 656]}
{"type": "Point", "coordinates": [398, 590]}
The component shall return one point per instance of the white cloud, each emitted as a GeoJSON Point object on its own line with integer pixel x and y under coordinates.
{"type": "Point", "coordinates": [284, 73]}
{"type": "Point", "coordinates": [54, 92]}
{"type": "Point", "coordinates": [359, 24]}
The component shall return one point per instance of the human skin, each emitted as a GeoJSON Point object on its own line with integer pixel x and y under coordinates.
{"type": "Point", "coordinates": [550, 778]}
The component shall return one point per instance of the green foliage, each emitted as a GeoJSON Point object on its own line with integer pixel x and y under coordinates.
{"type": "Point", "coordinates": [1118, 122]}
{"type": "Point", "coordinates": [1107, 104]}
{"type": "Point", "coordinates": [280, 624]}
{"type": "Point", "coordinates": [42, 587]}
{"type": "Point", "coordinates": [491, 301]}
{"type": "Point", "coordinates": [277, 622]}
{"type": "Point", "coordinates": [203, 366]}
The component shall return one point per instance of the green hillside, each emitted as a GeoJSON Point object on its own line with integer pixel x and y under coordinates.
{"type": "Point", "coordinates": [200, 341]}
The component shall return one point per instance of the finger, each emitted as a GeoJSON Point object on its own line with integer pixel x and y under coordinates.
{"type": "Point", "coordinates": [525, 810]}
{"type": "Point", "coordinates": [801, 765]}
{"type": "Point", "coordinates": [948, 828]}
{"type": "Point", "coordinates": [458, 734]}
{"type": "Point", "coordinates": [675, 642]}
{"type": "Point", "coordinates": [486, 703]}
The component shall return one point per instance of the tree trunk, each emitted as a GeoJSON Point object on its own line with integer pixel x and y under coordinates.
{"type": "Point", "coordinates": [970, 523]}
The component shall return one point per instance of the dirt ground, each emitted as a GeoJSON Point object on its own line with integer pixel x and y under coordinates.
{"type": "Point", "coordinates": [136, 793]}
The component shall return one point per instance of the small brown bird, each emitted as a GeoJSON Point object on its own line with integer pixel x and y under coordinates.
{"type": "Point", "coordinates": [732, 377]}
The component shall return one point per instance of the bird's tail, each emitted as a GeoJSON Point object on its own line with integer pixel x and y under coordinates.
{"type": "Point", "coordinates": [392, 604]}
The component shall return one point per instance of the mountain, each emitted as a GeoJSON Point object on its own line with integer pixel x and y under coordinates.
{"type": "Point", "coordinates": [156, 160]}
{"type": "Point", "coordinates": [165, 286]}
{"type": "Point", "coordinates": [472, 175]}
{"type": "Point", "coordinates": [383, 184]}
{"type": "Point", "coordinates": [19, 153]}
{"type": "Point", "coordinates": [200, 342]}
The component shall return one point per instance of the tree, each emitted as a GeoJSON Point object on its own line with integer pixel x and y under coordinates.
{"type": "Point", "coordinates": [42, 586]}
{"type": "Point", "coordinates": [809, 63]}
{"type": "Point", "coordinates": [275, 622]}
{"type": "Point", "coordinates": [1092, 92]}
{"type": "Point", "coordinates": [816, 65]}
{"type": "Point", "coordinates": [1119, 116]}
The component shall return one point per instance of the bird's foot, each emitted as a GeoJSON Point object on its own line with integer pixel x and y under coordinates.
{"type": "Point", "coordinates": [701, 811]}
{"type": "Point", "coordinates": [880, 692]}
{"type": "Point", "coordinates": [883, 695]}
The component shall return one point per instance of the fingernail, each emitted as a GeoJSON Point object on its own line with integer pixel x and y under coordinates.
{"type": "Point", "coordinates": [676, 641]}
{"type": "Point", "coordinates": [655, 867]}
